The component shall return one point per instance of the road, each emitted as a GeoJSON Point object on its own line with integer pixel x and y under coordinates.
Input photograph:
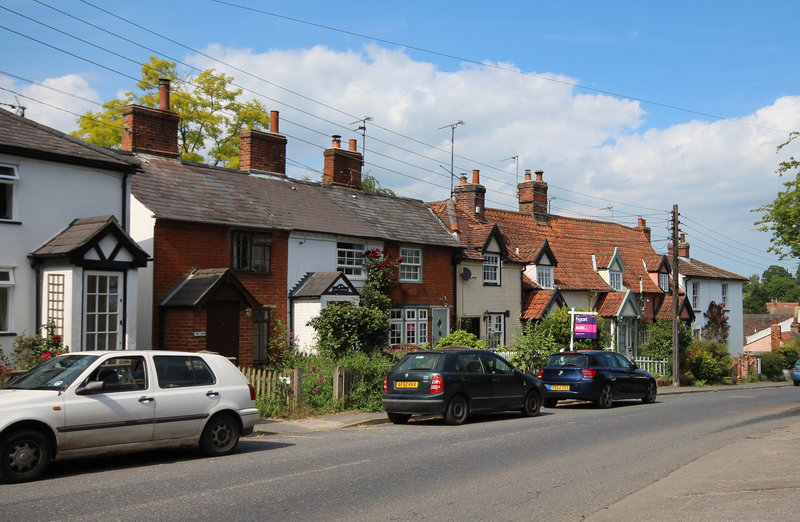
{"type": "Point", "coordinates": [570, 462]}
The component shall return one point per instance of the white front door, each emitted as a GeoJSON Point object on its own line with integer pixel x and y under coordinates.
{"type": "Point", "coordinates": [102, 311]}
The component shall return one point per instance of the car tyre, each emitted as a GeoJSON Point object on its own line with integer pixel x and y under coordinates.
{"type": "Point", "coordinates": [650, 394]}
{"type": "Point", "coordinates": [797, 383]}
{"type": "Point", "coordinates": [550, 403]}
{"type": "Point", "coordinates": [457, 410]}
{"type": "Point", "coordinates": [532, 405]}
{"type": "Point", "coordinates": [220, 436]}
{"type": "Point", "coordinates": [606, 398]}
{"type": "Point", "coordinates": [398, 418]}
{"type": "Point", "coordinates": [24, 455]}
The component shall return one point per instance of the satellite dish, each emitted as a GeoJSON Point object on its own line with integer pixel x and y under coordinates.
{"type": "Point", "coordinates": [466, 274]}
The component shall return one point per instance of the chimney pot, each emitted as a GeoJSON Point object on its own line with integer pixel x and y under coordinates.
{"type": "Point", "coordinates": [683, 237]}
{"type": "Point", "coordinates": [476, 176]}
{"type": "Point", "coordinates": [337, 141]}
{"type": "Point", "coordinates": [353, 144]}
{"type": "Point", "coordinates": [163, 94]}
{"type": "Point", "coordinates": [527, 174]}
{"type": "Point", "coordinates": [273, 122]}
{"type": "Point", "coordinates": [463, 179]}
{"type": "Point", "coordinates": [539, 174]}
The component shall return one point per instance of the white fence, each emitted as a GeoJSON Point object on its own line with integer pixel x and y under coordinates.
{"type": "Point", "coordinates": [660, 367]}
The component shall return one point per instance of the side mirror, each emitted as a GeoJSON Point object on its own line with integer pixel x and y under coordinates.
{"type": "Point", "coordinates": [90, 388]}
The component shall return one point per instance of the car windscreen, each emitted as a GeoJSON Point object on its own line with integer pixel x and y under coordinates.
{"type": "Point", "coordinates": [578, 360]}
{"type": "Point", "coordinates": [54, 374]}
{"type": "Point", "coordinates": [419, 362]}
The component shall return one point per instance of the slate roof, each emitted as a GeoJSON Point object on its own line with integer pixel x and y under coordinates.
{"type": "Point", "coordinates": [316, 284]}
{"type": "Point", "coordinates": [22, 137]}
{"type": "Point", "coordinates": [693, 268]}
{"type": "Point", "coordinates": [199, 284]}
{"type": "Point", "coordinates": [173, 189]}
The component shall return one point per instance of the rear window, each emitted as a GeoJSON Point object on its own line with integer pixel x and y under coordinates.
{"type": "Point", "coordinates": [174, 371]}
{"type": "Point", "coordinates": [419, 361]}
{"type": "Point", "coordinates": [568, 359]}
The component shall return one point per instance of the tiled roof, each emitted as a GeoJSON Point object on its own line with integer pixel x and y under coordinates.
{"type": "Point", "coordinates": [537, 303]}
{"type": "Point", "coordinates": [574, 242]}
{"type": "Point", "coordinates": [23, 137]}
{"type": "Point", "coordinates": [172, 189]}
{"type": "Point", "coordinates": [76, 235]}
{"type": "Point", "coordinates": [609, 304]}
{"type": "Point", "coordinates": [199, 284]}
{"type": "Point", "coordinates": [693, 268]}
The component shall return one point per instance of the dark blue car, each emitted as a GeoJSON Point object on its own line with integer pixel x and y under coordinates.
{"type": "Point", "coordinates": [595, 375]}
{"type": "Point", "coordinates": [796, 373]}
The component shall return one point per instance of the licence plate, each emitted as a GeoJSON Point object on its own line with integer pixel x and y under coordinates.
{"type": "Point", "coordinates": [560, 387]}
{"type": "Point", "coordinates": [406, 384]}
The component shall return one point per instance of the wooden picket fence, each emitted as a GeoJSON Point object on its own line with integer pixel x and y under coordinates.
{"type": "Point", "coordinates": [288, 384]}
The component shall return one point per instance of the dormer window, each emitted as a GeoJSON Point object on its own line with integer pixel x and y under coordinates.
{"type": "Point", "coordinates": [663, 282]}
{"type": "Point", "coordinates": [544, 276]}
{"type": "Point", "coordinates": [491, 269]}
{"type": "Point", "coordinates": [615, 279]}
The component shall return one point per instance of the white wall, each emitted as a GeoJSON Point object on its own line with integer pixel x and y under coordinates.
{"type": "Point", "coordinates": [317, 253]}
{"type": "Point", "coordinates": [142, 230]}
{"type": "Point", "coordinates": [305, 310]}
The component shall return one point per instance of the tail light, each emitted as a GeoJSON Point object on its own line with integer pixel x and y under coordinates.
{"type": "Point", "coordinates": [588, 373]}
{"type": "Point", "coordinates": [437, 385]}
{"type": "Point", "coordinates": [386, 384]}
{"type": "Point", "coordinates": [252, 392]}
{"type": "Point", "coordinates": [794, 369]}
{"type": "Point", "coordinates": [540, 374]}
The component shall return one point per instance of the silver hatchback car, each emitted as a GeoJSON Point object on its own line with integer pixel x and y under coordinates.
{"type": "Point", "coordinates": [93, 403]}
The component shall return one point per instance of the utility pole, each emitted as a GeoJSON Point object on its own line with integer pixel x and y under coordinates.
{"type": "Point", "coordinates": [675, 375]}
{"type": "Point", "coordinates": [452, 149]}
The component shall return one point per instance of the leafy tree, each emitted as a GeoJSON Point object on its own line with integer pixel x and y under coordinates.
{"type": "Point", "coordinates": [754, 296]}
{"type": "Point", "coordinates": [659, 343]}
{"type": "Point", "coordinates": [774, 271]}
{"type": "Point", "coordinates": [370, 183]}
{"type": "Point", "coordinates": [211, 117]}
{"type": "Point", "coordinates": [717, 326]}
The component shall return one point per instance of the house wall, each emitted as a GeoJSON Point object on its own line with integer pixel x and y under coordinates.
{"type": "Point", "coordinates": [304, 335]}
{"type": "Point", "coordinates": [711, 290]}
{"type": "Point", "coordinates": [474, 298]}
{"type": "Point", "coordinates": [47, 198]}
{"type": "Point", "coordinates": [142, 230]}
{"type": "Point", "coordinates": [317, 253]}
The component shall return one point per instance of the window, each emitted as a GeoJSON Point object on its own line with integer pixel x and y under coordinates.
{"type": "Point", "coordinates": [494, 364]}
{"type": "Point", "coordinates": [350, 258]}
{"type": "Point", "coordinates": [6, 287]}
{"type": "Point", "coordinates": [491, 269]}
{"type": "Point", "coordinates": [663, 281]}
{"type": "Point", "coordinates": [494, 330]}
{"type": "Point", "coordinates": [251, 251]}
{"type": "Point", "coordinates": [8, 185]}
{"type": "Point", "coordinates": [695, 292]}
{"type": "Point", "coordinates": [102, 302]}
{"type": "Point", "coordinates": [55, 302]}
{"type": "Point", "coordinates": [260, 335]}
{"type": "Point", "coordinates": [615, 279]}
{"type": "Point", "coordinates": [121, 374]}
{"type": "Point", "coordinates": [544, 276]}
{"type": "Point", "coordinates": [409, 326]}
{"type": "Point", "coordinates": [178, 371]}
{"type": "Point", "coordinates": [411, 267]}
{"type": "Point", "coordinates": [725, 294]}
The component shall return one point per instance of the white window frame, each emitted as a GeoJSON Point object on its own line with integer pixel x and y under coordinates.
{"type": "Point", "coordinates": [615, 279]}
{"type": "Point", "coordinates": [56, 287]}
{"type": "Point", "coordinates": [725, 295]}
{"type": "Point", "coordinates": [409, 326]}
{"type": "Point", "coordinates": [411, 267]}
{"type": "Point", "coordinates": [695, 294]}
{"type": "Point", "coordinates": [663, 281]}
{"type": "Point", "coordinates": [350, 259]}
{"type": "Point", "coordinates": [92, 313]}
{"type": "Point", "coordinates": [6, 298]}
{"type": "Point", "coordinates": [491, 269]}
{"type": "Point", "coordinates": [9, 177]}
{"type": "Point", "coordinates": [544, 276]}
{"type": "Point", "coordinates": [495, 330]}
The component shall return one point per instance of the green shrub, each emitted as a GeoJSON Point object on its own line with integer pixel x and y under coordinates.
{"type": "Point", "coordinates": [709, 361]}
{"type": "Point", "coordinates": [705, 368]}
{"type": "Point", "coordinates": [30, 351]}
{"type": "Point", "coordinates": [461, 338]}
{"type": "Point", "coordinates": [367, 379]}
{"type": "Point", "coordinates": [772, 365]}
{"type": "Point", "coordinates": [790, 351]}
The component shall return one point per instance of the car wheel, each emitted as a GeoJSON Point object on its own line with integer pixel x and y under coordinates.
{"type": "Point", "coordinates": [25, 455]}
{"type": "Point", "coordinates": [606, 398]}
{"type": "Point", "coordinates": [456, 412]}
{"type": "Point", "coordinates": [220, 436]}
{"type": "Point", "coordinates": [797, 383]}
{"type": "Point", "coordinates": [533, 403]}
{"type": "Point", "coordinates": [398, 418]}
{"type": "Point", "coordinates": [550, 403]}
{"type": "Point", "coordinates": [650, 394]}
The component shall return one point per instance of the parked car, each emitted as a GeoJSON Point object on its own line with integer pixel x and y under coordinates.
{"type": "Point", "coordinates": [456, 383]}
{"type": "Point", "coordinates": [92, 403]}
{"type": "Point", "coordinates": [595, 375]}
{"type": "Point", "coordinates": [796, 373]}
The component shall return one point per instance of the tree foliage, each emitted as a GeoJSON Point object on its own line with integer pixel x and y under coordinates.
{"type": "Point", "coordinates": [461, 338]}
{"type": "Point", "coordinates": [659, 342]}
{"type": "Point", "coordinates": [211, 115]}
{"type": "Point", "coordinates": [717, 326]}
{"type": "Point", "coordinates": [370, 183]}
{"type": "Point", "coordinates": [775, 284]}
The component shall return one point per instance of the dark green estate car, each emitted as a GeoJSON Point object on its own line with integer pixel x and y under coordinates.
{"type": "Point", "coordinates": [457, 383]}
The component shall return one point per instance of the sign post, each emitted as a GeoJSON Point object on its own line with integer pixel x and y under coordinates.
{"type": "Point", "coordinates": [583, 325]}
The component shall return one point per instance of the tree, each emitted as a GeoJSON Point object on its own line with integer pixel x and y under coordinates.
{"type": "Point", "coordinates": [370, 183]}
{"type": "Point", "coordinates": [717, 326]}
{"type": "Point", "coordinates": [211, 117]}
{"type": "Point", "coordinates": [659, 342]}
{"type": "Point", "coordinates": [782, 215]}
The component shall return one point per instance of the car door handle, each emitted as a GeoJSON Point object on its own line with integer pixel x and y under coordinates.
{"type": "Point", "coordinates": [212, 394]}
{"type": "Point", "coordinates": [146, 399]}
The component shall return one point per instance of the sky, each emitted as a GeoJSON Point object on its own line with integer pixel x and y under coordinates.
{"type": "Point", "coordinates": [628, 107]}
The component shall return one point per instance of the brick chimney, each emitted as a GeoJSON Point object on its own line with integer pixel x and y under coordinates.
{"type": "Point", "coordinates": [683, 247]}
{"type": "Point", "coordinates": [775, 334]}
{"type": "Point", "coordinates": [471, 197]}
{"type": "Point", "coordinates": [265, 151]}
{"type": "Point", "coordinates": [533, 193]}
{"type": "Point", "coordinates": [644, 228]}
{"type": "Point", "coordinates": [342, 167]}
{"type": "Point", "coordinates": [151, 131]}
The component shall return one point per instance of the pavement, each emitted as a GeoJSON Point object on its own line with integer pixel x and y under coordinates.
{"type": "Point", "coordinates": [754, 478]}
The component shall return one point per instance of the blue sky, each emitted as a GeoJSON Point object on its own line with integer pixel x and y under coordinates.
{"type": "Point", "coordinates": [579, 106]}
